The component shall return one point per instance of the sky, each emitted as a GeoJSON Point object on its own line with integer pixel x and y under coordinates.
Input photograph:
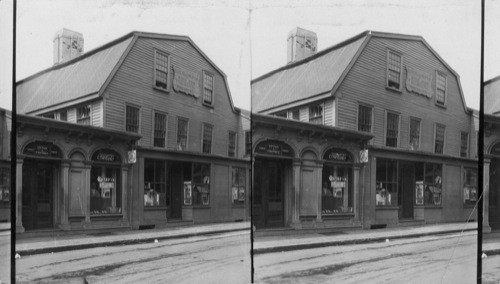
{"type": "Point", "coordinates": [246, 39]}
{"type": "Point", "coordinates": [491, 39]}
{"type": "Point", "coordinates": [6, 34]}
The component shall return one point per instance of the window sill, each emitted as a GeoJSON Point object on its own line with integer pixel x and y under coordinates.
{"type": "Point", "coordinates": [386, 207]}
{"type": "Point", "coordinates": [440, 105]}
{"type": "Point", "coordinates": [337, 215]}
{"type": "Point", "coordinates": [399, 91]}
{"type": "Point", "coordinates": [208, 105]}
{"type": "Point", "coordinates": [161, 89]}
{"type": "Point", "coordinates": [195, 206]}
{"type": "Point", "coordinates": [154, 208]}
{"type": "Point", "coordinates": [106, 216]}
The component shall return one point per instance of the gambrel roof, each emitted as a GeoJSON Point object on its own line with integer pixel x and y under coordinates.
{"type": "Point", "coordinates": [86, 77]}
{"type": "Point", "coordinates": [319, 75]}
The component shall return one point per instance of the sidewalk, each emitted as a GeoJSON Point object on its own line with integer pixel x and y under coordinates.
{"type": "Point", "coordinates": [491, 243]}
{"type": "Point", "coordinates": [4, 226]}
{"type": "Point", "coordinates": [61, 241]}
{"type": "Point", "coordinates": [267, 244]}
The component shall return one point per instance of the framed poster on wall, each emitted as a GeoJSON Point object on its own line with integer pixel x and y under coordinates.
{"type": "Point", "coordinates": [419, 193]}
{"type": "Point", "coordinates": [188, 200]}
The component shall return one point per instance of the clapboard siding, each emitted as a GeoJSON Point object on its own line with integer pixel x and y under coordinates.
{"type": "Point", "coordinates": [133, 84]}
{"type": "Point", "coordinates": [96, 116]}
{"type": "Point", "coordinates": [329, 112]}
{"type": "Point", "coordinates": [365, 83]}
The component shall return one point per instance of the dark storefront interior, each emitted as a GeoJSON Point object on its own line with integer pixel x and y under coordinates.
{"type": "Point", "coordinates": [268, 193]}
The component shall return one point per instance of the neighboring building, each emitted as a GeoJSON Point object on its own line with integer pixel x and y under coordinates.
{"type": "Point", "coordinates": [491, 161]}
{"type": "Point", "coordinates": [373, 131]}
{"type": "Point", "coordinates": [5, 129]}
{"type": "Point", "coordinates": [147, 136]}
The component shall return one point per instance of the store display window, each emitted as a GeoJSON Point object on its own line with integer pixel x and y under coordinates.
{"type": "Point", "coordinates": [470, 186]}
{"type": "Point", "coordinates": [156, 193]}
{"type": "Point", "coordinates": [432, 184]}
{"type": "Point", "coordinates": [387, 182]}
{"type": "Point", "coordinates": [5, 184]}
{"type": "Point", "coordinates": [105, 185]}
{"type": "Point", "coordinates": [337, 190]}
{"type": "Point", "coordinates": [238, 186]}
{"type": "Point", "coordinates": [196, 188]}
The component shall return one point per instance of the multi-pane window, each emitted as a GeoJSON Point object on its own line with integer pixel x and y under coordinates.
{"type": "Point", "coordinates": [132, 119]}
{"type": "Point", "coordinates": [83, 115]}
{"type": "Point", "coordinates": [387, 182]}
{"type": "Point", "coordinates": [296, 114]}
{"type": "Point", "coordinates": [337, 190]}
{"type": "Point", "coordinates": [182, 133]}
{"type": "Point", "coordinates": [208, 88]}
{"type": "Point", "coordinates": [201, 184]}
{"type": "Point", "coordinates": [207, 138]}
{"type": "Point", "coordinates": [432, 184]}
{"type": "Point", "coordinates": [160, 129]}
{"type": "Point", "coordinates": [239, 186]}
{"type": "Point", "coordinates": [440, 88]}
{"type": "Point", "coordinates": [470, 186]}
{"type": "Point", "coordinates": [156, 193]}
{"type": "Point", "coordinates": [248, 143]}
{"type": "Point", "coordinates": [394, 70]}
{"type": "Point", "coordinates": [231, 146]}
{"type": "Point", "coordinates": [392, 130]}
{"type": "Point", "coordinates": [364, 118]}
{"type": "Point", "coordinates": [414, 133]}
{"type": "Point", "coordinates": [439, 139]}
{"type": "Point", "coordinates": [161, 70]}
{"type": "Point", "coordinates": [63, 115]}
{"type": "Point", "coordinates": [464, 144]}
{"type": "Point", "coordinates": [316, 114]}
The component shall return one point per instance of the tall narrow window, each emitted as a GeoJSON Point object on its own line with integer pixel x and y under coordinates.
{"type": "Point", "coordinates": [440, 88]}
{"type": "Point", "coordinates": [439, 139]}
{"type": "Point", "coordinates": [296, 114]}
{"type": "Point", "coordinates": [231, 147]}
{"type": "Point", "coordinates": [161, 70]}
{"type": "Point", "coordinates": [132, 119]}
{"type": "Point", "coordinates": [414, 133]}
{"type": "Point", "coordinates": [239, 186]}
{"type": "Point", "coordinates": [63, 115]}
{"type": "Point", "coordinates": [392, 130]}
{"type": "Point", "coordinates": [207, 138]}
{"type": "Point", "coordinates": [182, 133]}
{"type": "Point", "coordinates": [208, 88]}
{"type": "Point", "coordinates": [364, 118]}
{"type": "Point", "coordinates": [470, 186]}
{"type": "Point", "coordinates": [160, 125]}
{"type": "Point", "coordinates": [316, 114]}
{"type": "Point", "coordinates": [394, 68]}
{"type": "Point", "coordinates": [464, 144]}
{"type": "Point", "coordinates": [83, 115]}
{"type": "Point", "coordinates": [248, 143]}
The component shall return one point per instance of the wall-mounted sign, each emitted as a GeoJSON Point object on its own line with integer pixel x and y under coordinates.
{"type": "Point", "coordinates": [43, 149]}
{"type": "Point", "coordinates": [418, 82]}
{"type": "Point", "coordinates": [339, 155]}
{"type": "Point", "coordinates": [274, 147]}
{"type": "Point", "coordinates": [106, 155]}
{"type": "Point", "coordinates": [186, 82]}
{"type": "Point", "coordinates": [132, 156]}
{"type": "Point", "coordinates": [363, 156]}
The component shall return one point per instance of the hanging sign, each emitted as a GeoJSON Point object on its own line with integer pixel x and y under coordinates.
{"type": "Point", "coordinates": [274, 147]}
{"type": "Point", "coordinates": [106, 155]}
{"type": "Point", "coordinates": [43, 149]}
{"type": "Point", "coordinates": [363, 156]}
{"type": "Point", "coordinates": [132, 156]}
{"type": "Point", "coordinates": [338, 155]}
{"type": "Point", "coordinates": [418, 82]}
{"type": "Point", "coordinates": [186, 82]}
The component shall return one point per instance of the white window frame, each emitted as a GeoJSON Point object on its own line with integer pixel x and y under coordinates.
{"type": "Point", "coordinates": [211, 103]}
{"type": "Point", "coordinates": [371, 118]}
{"type": "Point", "coordinates": [442, 74]}
{"type": "Point", "coordinates": [138, 119]}
{"type": "Point", "coordinates": [389, 51]}
{"type": "Point", "coordinates": [167, 88]}
{"type": "Point", "coordinates": [154, 128]}
{"type": "Point", "coordinates": [398, 138]}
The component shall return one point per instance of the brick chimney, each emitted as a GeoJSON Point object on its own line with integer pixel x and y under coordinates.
{"type": "Point", "coordinates": [67, 45]}
{"type": "Point", "coordinates": [301, 44]}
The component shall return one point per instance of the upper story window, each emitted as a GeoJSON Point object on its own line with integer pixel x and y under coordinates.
{"type": "Point", "coordinates": [182, 133]}
{"type": "Point", "coordinates": [50, 115]}
{"type": "Point", "coordinates": [248, 143]}
{"type": "Point", "coordinates": [208, 88]}
{"type": "Point", "coordinates": [161, 70]}
{"type": "Point", "coordinates": [440, 88]}
{"type": "Point", "coordinates": [439, 138]}
{"type": "Point", "coordinates": [160, 129]}
{"type": "Point", "coordinates": [207, 138]}
{"type": "Point", "coordinates": [231, 146]}
{"type": "Point", "coordinates": [83, 115]}
{"type": "Point", "coordinates": [281, 114]}
{"type": "Point", "coordinates": [63, 115]}
{"type": "Point", "coordinates": [316, 114]}
{"type": "Point", "coordinates": [296, 114]}
{"type": "Point", "coordinates": [394, 70]}
{"type": "Point", "coordinates": [364, 118]}
{"type": "Point", "coordinates": [414, 133]}
{"type": "Point", "coordinates": [132, 119]}
{"type": "Point", "coordinates": [464, 144]}
{"type": "Point", "coordinates": [392, 130]}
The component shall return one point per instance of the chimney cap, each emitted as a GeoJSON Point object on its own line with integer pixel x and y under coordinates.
{"type": "Point", "coordinates": [298, 31]}
{"type": "Point", "coordinates": [64, 32]}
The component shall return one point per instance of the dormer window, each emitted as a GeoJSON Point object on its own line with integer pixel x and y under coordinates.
{"type": "Point", "coordinates": [83, 115]}
{"type": "Point", "coordinates": [316, 114]}
{"type": "Point", "coordinates": [161, 70]}
{"type": "Point", "coordinates": [394, 70]}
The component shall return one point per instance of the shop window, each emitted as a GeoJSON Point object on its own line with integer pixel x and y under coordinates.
{"type": "Point", "coordinates": [207, 138]}
{"type": "Point", "coordinates": [364, 118]}
{"type": "Point", "coordinates": [5, 184]}
{"type": "Point", "coordinates": [316, 114]}
{"type": "Point", "coordinates": [248, 143]}
{"type": "Point", "coordinates": [208, 88]}
{"type": "Point", "coordinates": [296, 114]}
{"type": "Point", "coordinates": [231, 147]}
{"type": "Point", "coordinates": [337, 191]}
{"type": "Point", "coordinates": [156, 193]}
{"type": "Point", "coordinates": [132, 119]}
{"type": "Point", "coordinates": [239, 186]}
{"type": "Point", "coordinates": [394, 70]}
{"type": "Point", "coordinates": [464, 144]}
{"type": "Point", "coordinates": [182, 133]}
{"type": "Point", "coordinates": [392, 130]}
{"type": "Point", "coordinates": [161, 70]}
{"type": "Point", "coordinates": [414, 133]}
{"type": "Point", "coordinates": [439, 138]}
{"type": "Point", "coordinates": [83, 115]}
{"type": "Point", "coordinates": [470, 186]}
{"type": "Point", "coordinates": [160, 129]}
{"type": "Point", "coordinates": [197, 188]}
{"type": "Point", "coordinates": [440, 88]}
{"type": "Point", "coordinates": [432, 184]}
{"type": "Point", "coordinates": [106, 195]}
{"type": "Point", "coordinates": [387, 182]}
